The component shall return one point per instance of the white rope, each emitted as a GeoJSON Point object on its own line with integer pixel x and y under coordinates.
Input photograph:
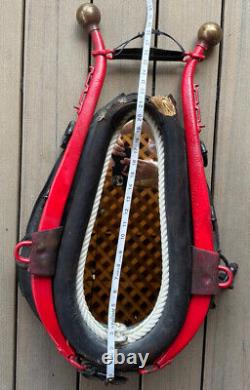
{"type": "Point", "coordinates": [139, 330]}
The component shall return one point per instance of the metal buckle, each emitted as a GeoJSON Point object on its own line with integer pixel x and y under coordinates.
{"type": "Point", "coordinates": [93, 372]}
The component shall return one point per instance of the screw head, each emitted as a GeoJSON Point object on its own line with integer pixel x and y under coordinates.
{"type": "Point", "coordinates": [210, 33]}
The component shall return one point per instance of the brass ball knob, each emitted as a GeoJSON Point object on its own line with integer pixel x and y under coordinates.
{"type": "Point", "coordinates": [210, 33]}
{"type": "Point", "coordinates": [88, 16]}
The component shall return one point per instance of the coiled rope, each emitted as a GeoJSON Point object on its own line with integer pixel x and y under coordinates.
{"type": "Point", "coordinates": [139, 330]}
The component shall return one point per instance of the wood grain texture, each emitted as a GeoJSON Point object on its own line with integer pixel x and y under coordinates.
{"type": "Point", "coordinates": [182, 20]}
{"type": "Point", "coordinates": [55, 66]}
{"type": "Point", "coordinates": [183, 373]}
{"type": "Point", "coordinates": [10, 81]}
{"type": "Point", "coordinates": [228, 339]}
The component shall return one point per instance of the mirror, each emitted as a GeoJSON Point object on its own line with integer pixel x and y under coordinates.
{"type": "Point", "coordinates": [141, 271]}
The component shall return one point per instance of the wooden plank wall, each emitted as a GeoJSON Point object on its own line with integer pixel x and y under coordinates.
{"type": "Point", "coordinates": [10, 117]}
{"type": "Point", "coordinates": [45, 56]}
{"type": "Point", "coordinates": [227, 358]}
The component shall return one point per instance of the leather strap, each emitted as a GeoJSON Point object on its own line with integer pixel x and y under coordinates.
{"type": "Point", "coordinates": [155, 54]}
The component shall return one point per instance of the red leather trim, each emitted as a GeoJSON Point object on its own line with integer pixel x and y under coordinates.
{"type": "Point", "coordinates": [201, 212]}
{"type": "Point", "coordinates": [18, 247]}
{"type": "Point", "coordinates": [54, 208]}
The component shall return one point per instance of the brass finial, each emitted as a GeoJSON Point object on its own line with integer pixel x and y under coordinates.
{"type": "Point", "coordinates": [210, 33]}
{"type": "Point", "coordinates": [88, 16]}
